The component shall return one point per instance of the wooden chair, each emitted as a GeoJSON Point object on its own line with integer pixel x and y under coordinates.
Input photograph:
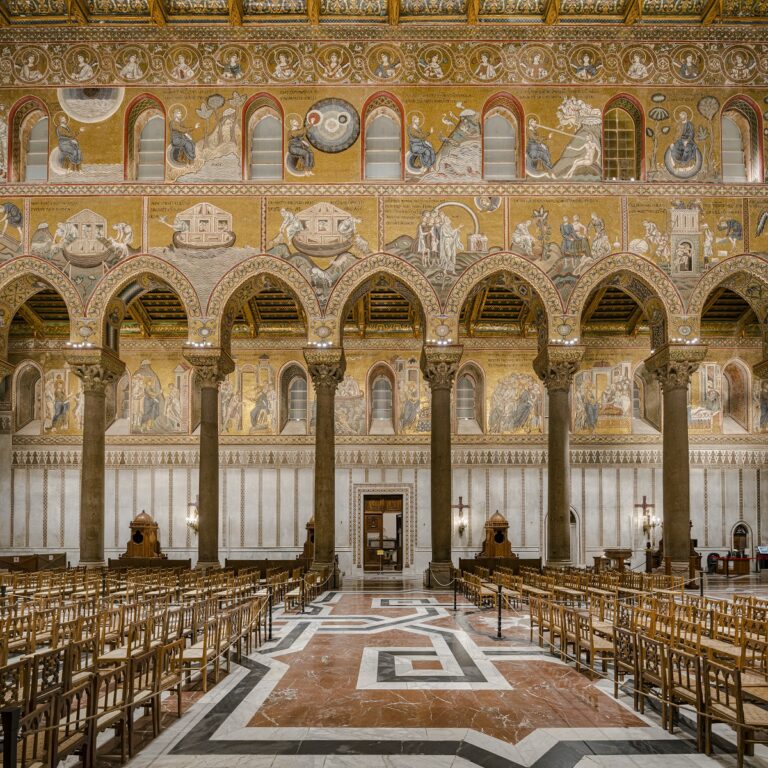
{"type": "Point", "coordinates": [570, 634]}
{"type": "Point", "coordinates": [142, 691]}
{"type": "Point", "coordinates": [591, 644]}
{"type": "Point", "coordinates": [724, 703]}
{"type": "Point", "coordinates": [110, 711]}
{"type": "Point", "coordinates": [204, 652]}
{"type": "Point", "coordinates": [36, 738]}
{"type": "Point", "coordinates": [73, 715]}
{"type": "Point", "coordinates": [47, 675]}
{"type": "Point", "coordinates": [625, 661]}
{"type": "Point", "coordinates": [15, 683]}
{"type": "Point", "coordinates": [80, 660]}
{"type": "Point", "coordinates": [652, 672]}
{"type": "Point", "coordinates": [169, 666]}
{"type": "Point", "coordinates": [685, 687]}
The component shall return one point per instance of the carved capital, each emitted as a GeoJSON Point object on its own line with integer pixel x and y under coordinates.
{"type": "Point", "coordinates": [674, 364]}
{"type": "Point", "coordinates": [95, 367]}
{"type": "Point", "coordinates": [439, 364]}
{"type": "Point", "coordinates": [211, 364]}
{"type": "Point", "coordinates": [6, 419]}
{"type": "Point", "coordinates": [326, 367]}
{"type": "Point", "coordinates": [761, 369]}
{"type": "Point", "coordinates": [556, 365]}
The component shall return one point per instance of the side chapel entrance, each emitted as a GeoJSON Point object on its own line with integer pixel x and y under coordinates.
{"type": "Point", "coordinates": [383, 532]}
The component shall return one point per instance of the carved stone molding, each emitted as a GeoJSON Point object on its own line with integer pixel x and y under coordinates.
{"type": "Point", "coordinates": [439, 364]}
{"type": "Point", "coordinates": [556, 365]}
{"type": "Point", "coordinates": [761, 369]}
{"type": "Point", "coordinates": [326, 367]}
{"type": "Point", "coordinates": [6, 368]}
{"type": "Point", "coordinates": [95, 367]}
{"type": "Point", "coordinates": [674, 364]}
{"type": "Point", "coordinates": [211, 365]}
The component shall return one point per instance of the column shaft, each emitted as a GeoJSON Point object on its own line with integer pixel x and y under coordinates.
{"type": "Point", "coordinates": [559, 479]}
{"type": "Point", "coordinates": [92, 478]}
{"type": "Point", "coordinates": [676, 476]}
{"type": "Point", "coordinates": [440, 475]}
{"type": "Point", "coordinates": [208, 477]}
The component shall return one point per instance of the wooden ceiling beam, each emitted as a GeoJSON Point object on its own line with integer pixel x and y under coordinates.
{"type": "Point", "coordinates": [475, 310]}
{"type": "Point", "coordinates": [236, 13]}
{"type": "Point", "coordinates": [633, 11]}
{"type": "Point", "coordinates": [250, 318]}
{"type": "Point", "coordinates": [586, 315]}
{"type": "Point", "coordinates": [714, 297]}
{"type": "Point", "coordinates": [712, 12]}
{"type": "Point", "coordinates": [158, 12]}
{"type": "Point", "coordinates": [32, 319]}
{"type": "Point", "coordinates": [393, 12]}
{"type": "Point", "coordinates": [5, 13]}
{"type": "Point", "coordinates": [551, 12]}
{"type": "Point", "coordinates": [634, 320]}
{"type": "Point", "coordinates": [741, 323]}
{"type": "Point", "coordinates": [139, 315]}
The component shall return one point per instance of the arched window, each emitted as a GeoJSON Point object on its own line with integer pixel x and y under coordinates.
{"type": "Point", "coordinates": [383, 138]}
{"type": "Point", "coordinates": [381, 394]}
{"type": "Point", "coordinates": [622, 140]}
{"type": "Point", "coordinates": [501, 139]}
{"type": "Point", "coordinates": [264, 139]}
{"type": "Point", "coordinates": [469, 401]}
{"type": "Point", "coordinates": [646, 403]}
{"type": "Point", "coordinates": [735, 384]}
{"type": "Point", "coordinates": [29, 132]}
{"type": "Point", "coordinates": [293, 401]}
{"type": "Point", "coordinates": [28, 399]}
{"type": "Point", "coordinates": [145, 140]}
{"type": "Point", "coordinates": [741, 131]}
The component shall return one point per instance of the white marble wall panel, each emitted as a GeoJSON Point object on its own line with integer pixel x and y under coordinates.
{"type": "Point", "coordinates": [287, 508]}
{"type": "Point", "coordinates": [423, 527]}
{"type": "Point", "coordinates": [608, 503]}
{"type": "Point", "coordinates": [36, 509]}
{"type": "Point", "coordinates": [733, 506]}
{"type": "Point", "coordinates": [230, 490]}
{"type": "Point", "coordinates": [628, 516]}
{"type": "Point", "coordinates": [700, 505]}
{"type": "Point", "coordinates": [495, 491]}
{"type": "Point", "coordinates": [71, 507]}
{"type": "Point", "coordinates": [177, 533]}
{"type": "Point", "coordinates": [269, 503]}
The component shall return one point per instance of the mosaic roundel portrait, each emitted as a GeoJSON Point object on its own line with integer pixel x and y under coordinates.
{"type": "Point", "coordinates": [333, 125]}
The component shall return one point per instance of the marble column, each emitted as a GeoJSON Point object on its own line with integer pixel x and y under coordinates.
{"type": "Point", "coordinates": [326, 368]}
{"type": "Point", "coordinates": [96, 369]}
{"type": "Point", "coordinates": [211, 367]}
{"type": "Point", "coordinates": [555, 365]}
{"type": "Point", "coordinates": [439, 364]}
{"type": "Point", "coordinates": [6, 433]}
{"type": "Point", "coordinates": [673, 365]}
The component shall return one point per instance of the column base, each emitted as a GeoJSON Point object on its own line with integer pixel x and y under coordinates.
{"type": "Point", "coordinates": [558, 563]}
{"type": "Point", "coordinates": [207, 564]}
{"type": "Point", "coordinates": [335, 580]}
{"type": "Point", "coordinates": [91, 565]}
{"type": "Point", "coordinates": [439, 575]}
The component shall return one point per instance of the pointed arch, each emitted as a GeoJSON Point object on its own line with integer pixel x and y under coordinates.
{"type": "Point", "coordinates": [503, 138]}
{"type": "Point", "coordinates": [383, 139]}
{"type": "Point", "coordinates": [648, 285]}
{"type": "Point", "coordinates": [245, 279]}
{"type": "Point", "coordinates": [26, 146]}
{"type": "Point", "coordinates": [380, 393]}
{"type": "Point", "coordinates": [28, 383]}
{"type": "Point", "coordinates": [144, 139]}
{"type": "Point", "coordinates": [623, 139]}
{"type": "Point", "coordinates": [293, 388]}
{"type": "Point", "coordinates": [469, 401]}
{"type": "Point", "coordinates": [263, 138]}
{"type": "Point", "coordinates": [741, 132]}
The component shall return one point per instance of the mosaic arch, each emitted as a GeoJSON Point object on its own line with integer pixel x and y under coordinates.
{"type": "Point", "coordinates": [356, 279]}
{"type": "Point", "coordinates": [136, 269]}
{"type": "Point", "coordinates": [644, 281]}
{"type": "Point", "coordinates": [244, 279]}
{"type": "Point", "coordinates": [537, 281]}
{"type": "Point", "coordinates": [19, 280]}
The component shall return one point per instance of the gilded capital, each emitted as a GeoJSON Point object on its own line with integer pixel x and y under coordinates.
{"type": "Point", "coordinates": [439, 364]}
{"type": "Point", "coordinates": [674, 364]}
{"type": "Point", "coordinates": [211, 364]}
{"type": "Point", "coordinates": [556, 365]}
{"type": "Point", "coordinates": [326, 367]}
{"type": "Point", "coordinates": [96, 367]}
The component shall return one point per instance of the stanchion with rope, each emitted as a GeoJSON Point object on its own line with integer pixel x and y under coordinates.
{"type": "Point", "coordinates": [455, 591]}
{"type": "Point", "coordinates": [302, 587]}
{"type": "Point", "coordinates": [498, 601]}
{"type": "Point", "coordinates": [269, 590]}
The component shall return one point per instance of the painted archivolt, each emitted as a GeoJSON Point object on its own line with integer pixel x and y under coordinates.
{"type": "Point", "coordinates": [752, 272]}
{"type": "Point", "coordinates": [140, 268]}
{"type": "Point", "coordinates": [258, 267]}
{"type": "Point", "coordinates": [382, 263]}
{"type": "Point", "coordinates": [537, 282]}
{"type": "Point", "coordinates": [576, 61]}
{"type": "Point", "coordinates": [636, 275]}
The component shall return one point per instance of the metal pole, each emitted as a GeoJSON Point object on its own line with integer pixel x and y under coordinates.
{"type": "Point", "coordinates": [270, 612]}
{"type": "Point", "coordinates": [701, 583]}
{"type": "Point", "coordinates": [498, 601]}
{"type": "Point", "coordinates": [10, 721]}
{"type": "Point", "coordinates": [302, 594]}
{"type": "Point", "coordinates": [455, 590]}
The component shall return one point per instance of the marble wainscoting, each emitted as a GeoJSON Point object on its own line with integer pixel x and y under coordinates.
{"type": "Point", "coordinates": [381, 679]}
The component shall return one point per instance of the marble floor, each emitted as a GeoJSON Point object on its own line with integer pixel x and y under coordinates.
{"type": "Point", "coordinates": [386, 674]}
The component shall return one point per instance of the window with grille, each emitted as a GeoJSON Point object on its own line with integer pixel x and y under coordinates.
{"type": "Point", "coordinates": [383, 147]}
{"type": "Point", "coordinates": [740, 145]}
{"type": "Point", "coordinates": [151, 154]}
{"type": "Point", "coordinates": [621, 148]}
{"type": "Point", "coordinates": [465, 398]}
{"type": "Point", "coordinates": [266, 160]}
{"type": "Point", "coordinates": [499, 145]}
{"type": "Point", "coordinates": [297, 399]}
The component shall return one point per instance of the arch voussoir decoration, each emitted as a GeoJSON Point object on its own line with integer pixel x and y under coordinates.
{"type": "Point", "coordinates": [136, 269]}
{"type": "Point", "coordinates": [412, 281]}
{"type": "Point", "coordinates": [650, 286]}
{"type": "Point", "coordinates": [245, 279]}
{"type": "Point", "coordinates": [536, 280]}
{"type": "Point", "coordinates": [746, 274]}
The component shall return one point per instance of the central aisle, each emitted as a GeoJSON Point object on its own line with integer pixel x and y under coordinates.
{"type": "Point", "coordinates": [383, 675]}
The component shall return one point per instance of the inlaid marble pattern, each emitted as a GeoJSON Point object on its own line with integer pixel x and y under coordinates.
{"type": "Point", "coordinates": [399, 679]}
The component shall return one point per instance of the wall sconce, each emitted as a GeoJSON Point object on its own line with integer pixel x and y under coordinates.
{"type": "Point", "coordinates": [462, 523]}
{"type": "Point", "coordinates": [193, 515]}
{"type": "Point", "coordinates": [650, 521]}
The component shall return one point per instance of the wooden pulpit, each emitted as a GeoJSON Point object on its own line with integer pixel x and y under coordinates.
{"type": "Point", "coordinates": [144, 541]}
{"type": "Point", "coordinates": [496, 542]}
{"type": "Point", "coordinates": [309, 544]}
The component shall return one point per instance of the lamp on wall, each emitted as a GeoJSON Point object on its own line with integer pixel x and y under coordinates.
{"type": "Point", "coordinates": [193, 515]}
{"type": "Point", "coordinates": [650, 521]}
{"type": "Point", "coordinates": [462, 523]}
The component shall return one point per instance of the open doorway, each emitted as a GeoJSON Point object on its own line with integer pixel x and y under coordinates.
{"type": "Point", "coordinates": [383, 532]}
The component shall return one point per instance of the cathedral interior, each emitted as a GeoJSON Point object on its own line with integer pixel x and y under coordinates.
{"type": "Point", "coordinates": [352, 282]}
